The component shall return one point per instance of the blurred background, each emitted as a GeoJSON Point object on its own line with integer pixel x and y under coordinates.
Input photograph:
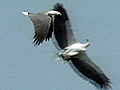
{"type": "Point", "coordinates": [24, 66]}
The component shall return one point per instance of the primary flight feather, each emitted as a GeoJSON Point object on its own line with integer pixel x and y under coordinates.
{"type": "Point", "coordinates": [56, 23]}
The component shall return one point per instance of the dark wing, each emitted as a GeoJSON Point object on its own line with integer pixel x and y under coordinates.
{"type": "Point", "coordinates": [42, 27]}
{"type": "Point", "coordinates": [63, 31]}
{"type": "Point", "coordinates": [65, 37]}
{"type": "Point", "coordinates": [93, 73]}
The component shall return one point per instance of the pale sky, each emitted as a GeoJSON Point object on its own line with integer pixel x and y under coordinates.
{"type": "Point", "coordinates": [26, 67]}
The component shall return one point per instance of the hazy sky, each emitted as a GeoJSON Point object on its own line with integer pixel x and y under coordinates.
{"type": "Point", "coordinates": [26, 67]}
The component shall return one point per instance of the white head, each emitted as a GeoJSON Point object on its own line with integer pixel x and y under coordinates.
{"type": "Point", "coordinates": [53, 13]}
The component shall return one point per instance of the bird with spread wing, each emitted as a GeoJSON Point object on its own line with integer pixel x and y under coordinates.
{"type": "Point", "coordinates": [56, 24]}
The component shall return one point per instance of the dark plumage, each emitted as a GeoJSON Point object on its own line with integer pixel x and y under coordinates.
{"type": "Point", "coordinates": [64, 37]}
{"type": "Point", "coordinates": [43, 24]}
{"type": "Point", "coordinates": [63, 30]}
{"type": "Point", "coordinates": [57, 22]}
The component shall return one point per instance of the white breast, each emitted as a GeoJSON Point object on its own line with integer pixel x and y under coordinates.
{"type": "Point", "coordinates": [76, 46]}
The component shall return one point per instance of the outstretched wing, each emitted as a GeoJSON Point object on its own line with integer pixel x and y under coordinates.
{"type": "Point", "coordinates": [42, 26]}
{"type": "Point", "coordinates": [63, 31]}
{"type": "Point", "coordinates": [90, 70]}
{"type": "Point", "coordinates": [65, 37]}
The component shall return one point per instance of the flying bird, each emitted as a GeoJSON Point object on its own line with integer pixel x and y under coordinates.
{"type": "Point", "coordinates": [56, 24]}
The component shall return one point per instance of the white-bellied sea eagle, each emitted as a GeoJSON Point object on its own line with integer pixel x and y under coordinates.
{"type": "Point", "coordinates": [56, 23]}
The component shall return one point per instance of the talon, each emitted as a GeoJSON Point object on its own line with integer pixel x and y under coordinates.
{"type": "Point", "coordinates": [63, 56]}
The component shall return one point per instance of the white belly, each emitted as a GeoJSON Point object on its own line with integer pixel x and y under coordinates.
{"type": "Point", "coordinates": [76, 47]}
{"type": "Point", "coordinates": [73, 50]}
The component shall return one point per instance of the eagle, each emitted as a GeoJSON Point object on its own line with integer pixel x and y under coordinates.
{"type": "Point", "coordinates": [56, 24]}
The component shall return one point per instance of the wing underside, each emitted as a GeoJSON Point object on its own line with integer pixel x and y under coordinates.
{"type": "Point", "coordinates": [63, 32]}
{"type": "Point", "coordinates": [41, 24]}
{"type": "Point", "coordinates": [65, 37]}
{"type": "Point", "coordinates": [93, 73]}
